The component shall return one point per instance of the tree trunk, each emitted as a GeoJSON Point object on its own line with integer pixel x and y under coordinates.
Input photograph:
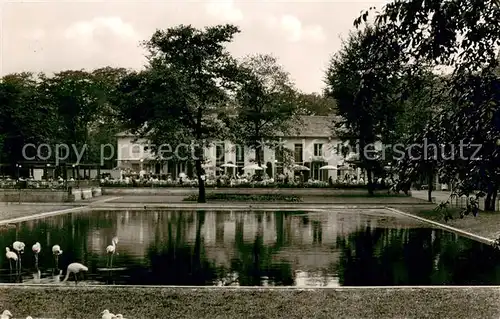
{"type": "Point", "coordinates": [487, 200]}
{"type": "Point", "coordinates": [493, 204]}
{"type": "Point", "coordinates": [258, 172]}
{"type": "Point", "coordinates": [491, 198]}
{"type": "Point", "coordinates": [199, 151]}
{"type": "Point", "coordinates": [201, 183]}
{"type": "Point", "coordinates": [430, 185]}
{"type": "Point", "coordinates": [370, 182]}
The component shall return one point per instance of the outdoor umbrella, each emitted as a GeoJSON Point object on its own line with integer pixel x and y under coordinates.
{"type": "Point", "coordinates": [328, 167]}
{"type": "Point", "coordinates": [228, 165]}
{"type": "Point", "coordinates": [300, 168]}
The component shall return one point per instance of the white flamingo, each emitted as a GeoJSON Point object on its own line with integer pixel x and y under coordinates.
{"type": "Point", "coordinates": [111, 249]}
{"type": "Point", "coordinates": [5, 315]}
{"type": "Point", "coordinates": [19, 247]}
{"type": "Point", "coordinates": [56, 251]}
{"type": "Point", "coordinates": [11, 256]}
{"type": "Point", "coordinates": [107, 315]}
{"type": "Point", "coordinates": [36, 248]}
{"type": "Point", "coordinates": [75, 268]}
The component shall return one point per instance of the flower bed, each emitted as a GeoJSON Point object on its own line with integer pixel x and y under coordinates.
{"type": "Point", "coordinates": [247, 197]}
{"type": "Point", "coordinates": [211, 183]}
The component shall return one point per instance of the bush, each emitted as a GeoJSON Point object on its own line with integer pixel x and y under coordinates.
{"type": "Point", "coordinates": [14, 184]}
{"type": "Point", "coordinates": [246, 197]}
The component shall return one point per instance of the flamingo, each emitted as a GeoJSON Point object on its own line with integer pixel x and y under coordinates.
{"type": "Point", "coordinates": [5, 314]}
{"type": "Point", "coordinates": [111, 249]}
{"type": "Point", "coordinates": [107, 315]}
{"type": "Point", "coordinates": [19, 247]}
{"type": "Point", "coordinates": [75, 268]}
{"type": "Point", "coordinates": [56, 250]}
{"type": "Point", "coordinates": [11, 256]}
{"type": "Point", "coordinates": [29, 317]}
{"type": "Point", "coordinates": [36, 250]}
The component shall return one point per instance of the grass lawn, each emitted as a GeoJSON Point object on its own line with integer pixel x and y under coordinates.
{"type": "Point", "coordinates": [365, 195]}
{"type": "Point", "coordinates": [88, 302]}
{"type": "Point", "coordinates": [486, 224]}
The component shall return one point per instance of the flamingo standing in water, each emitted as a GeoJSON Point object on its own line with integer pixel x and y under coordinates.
{"type": "Point", "coordinates": [19, 247]}
{"type": "Point", "coordinates": [75, 268]}
{"type": "Point", "coordinates": [111, 249]}
{"type": "Point", "coordinates": [56, 251]}
{"type": "Point", "coordinates": [36, 250]}
{"type": "Point", "coordinates": [11, 256]}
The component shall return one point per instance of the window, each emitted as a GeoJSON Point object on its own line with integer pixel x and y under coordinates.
{"type": "Point", "coordinates": [240, 154]}
{"type": "Point", "coordinates": [298, 153]}
{"type": "Point", "coordinates": [220, 156]}
{"type": "Point", "coordinates": [240, 158]}
{"type": "Point", "coordinates": [182, 167]}
{"type": "Point", "coordinates": [136, 149]}
{"type": "Point", "coordinates": [279, 155]}
{"type": "Point", "coordinates": [318, 149]}
{"type": "Point", "coordinates": [260, 151]}
{"type": "Point", "coordinates": [220, 153]}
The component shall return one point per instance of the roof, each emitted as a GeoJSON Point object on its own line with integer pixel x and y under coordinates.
{"type": "Point", "coordinates": [307, 126]}
{"type": "Point", "coordinates": [314, 126]}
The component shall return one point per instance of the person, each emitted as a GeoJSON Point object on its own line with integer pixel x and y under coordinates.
{"type": "Point", "coordinates": [330, 181]}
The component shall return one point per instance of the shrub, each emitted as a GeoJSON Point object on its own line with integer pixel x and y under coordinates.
{"type": "Point", "coordinates": [212, 184]}
{"type": "Point", "coordinates": [246, 197]}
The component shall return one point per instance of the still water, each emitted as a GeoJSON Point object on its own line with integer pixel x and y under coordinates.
{"type": "Point", "coordinates": [258, 248]}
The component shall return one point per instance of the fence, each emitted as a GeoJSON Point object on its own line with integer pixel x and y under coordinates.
{"type": "Point", "coordinates": [461, 202]}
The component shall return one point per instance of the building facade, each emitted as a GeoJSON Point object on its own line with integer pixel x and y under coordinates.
{"type": "Point", "coordinates": [312, 146]}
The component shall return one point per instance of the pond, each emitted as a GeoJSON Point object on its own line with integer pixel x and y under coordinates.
{"type": "Point", "coordinates": [250, 248]}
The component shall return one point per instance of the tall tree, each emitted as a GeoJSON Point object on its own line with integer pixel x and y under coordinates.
{"type": "Point", "coordinates": [426, 98]}
{"type": "Point", "coordinates": [462, 35]}
{"type": "Point", "coordinates": [362, 78]}
{"type": "Point", "coordinates": [23, 118]}
{"type": "Point", "coordinates": [266, 105]}
{"type": "Point", "coordinates": [107, 123]}
{"type": "Point", "coordinates": [197, 72]}
{"type": "Point", "coordinates": [79, 101]}
{"type": "Point", "coordinates": [316, 104]}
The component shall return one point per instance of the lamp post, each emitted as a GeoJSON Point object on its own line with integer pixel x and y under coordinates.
{"type": "Point", "coordinates": [18, 166]}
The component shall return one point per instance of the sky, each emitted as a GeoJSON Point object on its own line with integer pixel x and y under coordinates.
{"type": "Point", "coordinates": [57, 35]}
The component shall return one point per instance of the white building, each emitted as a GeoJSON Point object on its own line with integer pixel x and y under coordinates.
{"type": "Point", "coordinates": [312, 146]}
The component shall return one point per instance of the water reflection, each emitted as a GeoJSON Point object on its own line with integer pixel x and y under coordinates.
{"type": "Point", "coordinates": [368, 247]}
